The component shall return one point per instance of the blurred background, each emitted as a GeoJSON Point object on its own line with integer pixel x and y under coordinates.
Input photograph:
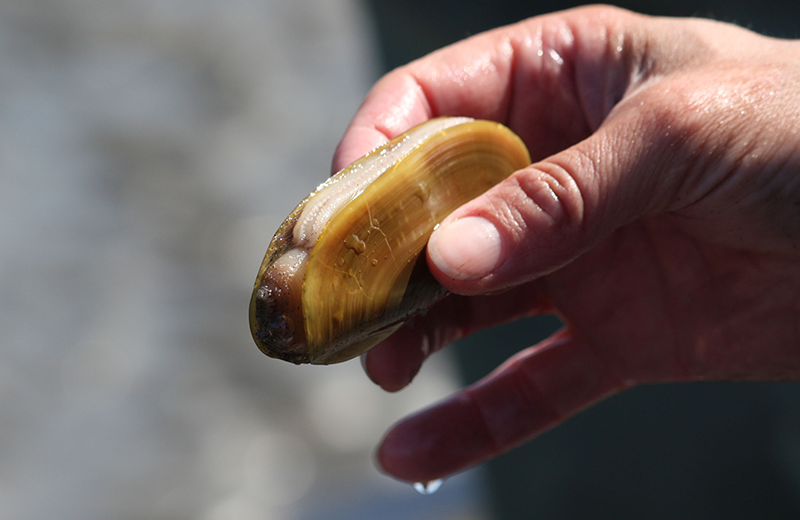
{"type": "Point", "coordinates": [148, 151]}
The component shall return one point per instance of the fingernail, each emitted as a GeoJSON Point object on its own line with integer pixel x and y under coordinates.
{"type": "Point", "coordinates": [466, 249]}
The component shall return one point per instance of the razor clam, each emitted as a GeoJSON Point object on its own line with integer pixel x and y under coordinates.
{"type": "Point", "coordinates": [346, 269]}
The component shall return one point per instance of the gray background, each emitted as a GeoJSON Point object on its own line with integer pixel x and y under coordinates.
{"type": "Point", "coordinates": [148, 151]}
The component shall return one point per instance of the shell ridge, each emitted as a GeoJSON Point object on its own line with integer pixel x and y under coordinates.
{"type": "Point", "coordinates": [367, 272]}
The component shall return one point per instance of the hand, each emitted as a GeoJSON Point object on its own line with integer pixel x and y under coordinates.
{"type": "Point", "coordinates": [660, 220]}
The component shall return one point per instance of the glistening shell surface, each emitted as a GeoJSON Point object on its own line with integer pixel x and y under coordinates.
{"type": "Point", "coordinates": [364, 274]}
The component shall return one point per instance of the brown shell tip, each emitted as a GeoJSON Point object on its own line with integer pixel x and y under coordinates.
{"type": "Point", "coordinates": [274, 331]}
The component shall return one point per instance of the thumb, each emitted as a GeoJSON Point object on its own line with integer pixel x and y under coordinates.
{"type": "Point", "coordinates": [544, 216]}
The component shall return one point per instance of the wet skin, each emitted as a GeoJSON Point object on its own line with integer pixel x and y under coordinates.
{"type": "Point", "coordinates": [660, 220]}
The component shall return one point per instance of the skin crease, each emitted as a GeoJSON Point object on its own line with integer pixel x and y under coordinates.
{"type": "Point", "coordinates": [660, 220]}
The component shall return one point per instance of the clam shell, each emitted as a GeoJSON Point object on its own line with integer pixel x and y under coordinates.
{"type": "Point", "coordinates": [362, 273]}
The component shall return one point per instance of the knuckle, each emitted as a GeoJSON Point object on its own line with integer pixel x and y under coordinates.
{"type": "Point", "coordinates": [552, 193]}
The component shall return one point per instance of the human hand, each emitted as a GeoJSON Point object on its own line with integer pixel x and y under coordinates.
{"type": "Point", "coordinates": [660, 220]}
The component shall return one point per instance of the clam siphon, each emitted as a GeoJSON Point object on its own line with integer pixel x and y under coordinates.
{"type": "Point", "coordinates": [347, 266]}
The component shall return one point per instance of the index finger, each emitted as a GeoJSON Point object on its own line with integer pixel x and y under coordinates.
{"type": "Point", "coordinates": [524, 75]}
{"type": "Point", "coordinates": [448, 82]}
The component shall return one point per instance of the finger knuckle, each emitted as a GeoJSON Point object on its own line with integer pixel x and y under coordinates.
{"type": "Point", "coordinates": [553, 193]}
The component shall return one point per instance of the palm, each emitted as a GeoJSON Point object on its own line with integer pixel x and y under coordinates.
{"type": "Point", "coordinates": [659, 304]}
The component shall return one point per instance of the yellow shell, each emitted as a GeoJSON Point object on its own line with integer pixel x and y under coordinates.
{"type": "Point", "coordinates": [364, 274]}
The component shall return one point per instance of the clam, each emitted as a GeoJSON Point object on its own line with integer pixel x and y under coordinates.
{"type": "Point", "coordinates": [346, 268]}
